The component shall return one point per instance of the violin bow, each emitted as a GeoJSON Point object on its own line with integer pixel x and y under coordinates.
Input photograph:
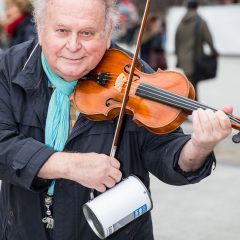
{"type": "Point", "coordinates": [129, 82]}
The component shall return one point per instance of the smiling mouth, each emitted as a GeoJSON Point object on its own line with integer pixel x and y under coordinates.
{"type": "Point", "coordinates": [73, 60]}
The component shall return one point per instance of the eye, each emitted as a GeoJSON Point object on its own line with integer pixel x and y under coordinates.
{"type": "Point", "coordinates": [87, 34]}
{"type": "Point", "coordinates": [62, 30]}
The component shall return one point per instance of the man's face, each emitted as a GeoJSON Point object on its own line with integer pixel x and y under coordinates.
{"type": "Point", "coordinates": [74, 38]}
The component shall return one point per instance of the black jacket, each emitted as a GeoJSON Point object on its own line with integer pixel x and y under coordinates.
{"type": "Point", "coordinates": [24, 97]}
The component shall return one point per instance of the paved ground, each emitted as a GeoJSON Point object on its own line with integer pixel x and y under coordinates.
{"type": "Point", "coordinates": [209, 210]}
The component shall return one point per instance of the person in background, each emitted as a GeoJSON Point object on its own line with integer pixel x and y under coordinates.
{"type": "Point", "coordinates": [186, 46]}
{"type": "Point", "coordinates": [47, 167]}
{"type": "Point", "coordinates": [19, 25]}
{"type": "Point", "coordinates": [153, 44]}
{"type": "Point", "coordinates": [2, 35]}
{"type": "Point", "coordinates": [129, 20]}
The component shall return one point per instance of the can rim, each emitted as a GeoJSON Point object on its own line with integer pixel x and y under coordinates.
{"type": "Point", "coordinates": [86, 211]}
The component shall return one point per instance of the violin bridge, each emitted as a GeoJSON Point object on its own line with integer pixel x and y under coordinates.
{"type": "Point", "coordinates": [121, 80]}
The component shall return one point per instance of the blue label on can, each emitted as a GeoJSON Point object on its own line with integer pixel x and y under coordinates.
{"type": "Point", "coordinates": [138, 212]}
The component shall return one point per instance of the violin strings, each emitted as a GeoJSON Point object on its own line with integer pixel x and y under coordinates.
{"type": "Point", "coordinates": [177, 100]}
{"type": "Point", "coordinates": [190, 104]}
{"type": "Point", "coordinates": [164, 96]}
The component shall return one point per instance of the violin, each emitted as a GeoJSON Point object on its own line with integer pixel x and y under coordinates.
{"type": "Point", "coordinates": [160, 101]}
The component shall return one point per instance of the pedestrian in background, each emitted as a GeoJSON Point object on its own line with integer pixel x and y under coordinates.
{"type": "Point", "coordinates": [129, 18]}
{"type": "Point", "coordinates": [2, 35]}
{"type": "Point", "coordinates": [152, 48]}
{"type": "Point", "coordinates": [19, 26]}
{"type": "Point", "coordinates": [189, 41]}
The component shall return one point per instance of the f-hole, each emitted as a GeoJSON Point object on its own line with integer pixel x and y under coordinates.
{"type": "Point", "coordinates": [127, 70]}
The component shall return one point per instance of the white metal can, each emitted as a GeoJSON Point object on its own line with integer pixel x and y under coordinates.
{"type": "Point", "coordinates": [117, 207]}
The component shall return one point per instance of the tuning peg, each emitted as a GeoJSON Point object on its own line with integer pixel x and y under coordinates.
{"type": "Point", "coordinates": [236, 138]}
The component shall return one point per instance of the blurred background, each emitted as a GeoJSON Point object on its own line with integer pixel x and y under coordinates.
{"type": "Point", "coordinates": [211, 209]}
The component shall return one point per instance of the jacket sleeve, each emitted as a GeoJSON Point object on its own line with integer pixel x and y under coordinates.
{"type": "Point", "coordinates": [20, 157]}
{"type": "Point", "coordinates": [161, 154]}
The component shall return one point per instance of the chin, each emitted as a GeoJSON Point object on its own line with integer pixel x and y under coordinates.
{"type": "Point", "coordinates": [71, 78]}
{"type": "Point", "coordinates": [71, 75]}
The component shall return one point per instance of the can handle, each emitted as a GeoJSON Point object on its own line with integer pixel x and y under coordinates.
{"type": "Point", "coordinates": [91, 194]}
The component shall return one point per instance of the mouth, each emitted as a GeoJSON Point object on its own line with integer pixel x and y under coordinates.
{"type": "Point", "coordinates": [73, 60]}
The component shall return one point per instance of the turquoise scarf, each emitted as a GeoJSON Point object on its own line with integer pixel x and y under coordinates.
{"type": "Point", "coordinates": [58, 116]}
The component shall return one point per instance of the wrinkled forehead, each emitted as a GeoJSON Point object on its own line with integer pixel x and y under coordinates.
{"type": "Point", "coordinates": [48, 12]}
{"type": "Point", "coordinates": [76, 6]}
{"type": "Point", "coordinates": [78, 12]}
{"type": "Point", "coordinates": [82, 9]}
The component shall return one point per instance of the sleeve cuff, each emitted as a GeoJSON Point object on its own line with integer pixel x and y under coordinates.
{"type": "Point", "coordinates": [199, 174]}
{"type": "Point", "coordinates": [27, 168]}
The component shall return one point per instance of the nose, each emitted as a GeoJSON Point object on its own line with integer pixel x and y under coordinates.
{"type": "Point", "coordinates": [73, 43]}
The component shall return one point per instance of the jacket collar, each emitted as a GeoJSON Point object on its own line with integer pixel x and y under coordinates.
{"type": "Point", "coordinates": [30, 75]}
{"type": "Point", "coordinates": [34, 82]}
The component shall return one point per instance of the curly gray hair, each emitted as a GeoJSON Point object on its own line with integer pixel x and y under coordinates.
{"type": "Point", "coordinates": [40, 9]}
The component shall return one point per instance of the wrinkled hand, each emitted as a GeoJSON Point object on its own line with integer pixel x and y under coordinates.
{"type": "Point", "coordinates": [96, 171]}
{"type": "Point", "coordinates": [92, 170]}
{"type": "Point", "coordinates": [210, 127]}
